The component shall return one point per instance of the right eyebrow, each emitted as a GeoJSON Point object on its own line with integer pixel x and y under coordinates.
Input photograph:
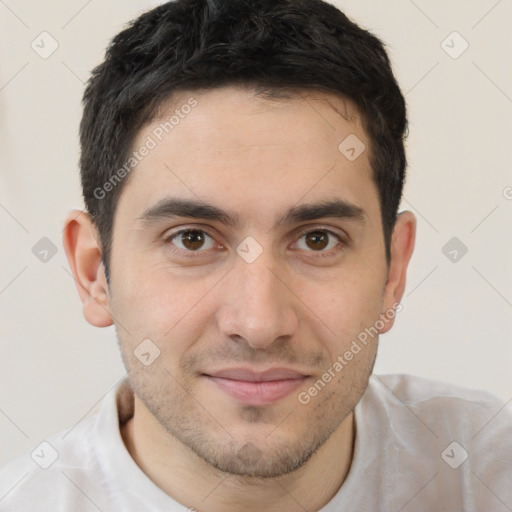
{"type": "Point", "coordinates": [171, 207]}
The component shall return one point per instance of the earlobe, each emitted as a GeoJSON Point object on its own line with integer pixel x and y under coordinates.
{"type": "Point", "coordinates": [83, 251]}
{"type": "Point", "coordinates": [402, 246]}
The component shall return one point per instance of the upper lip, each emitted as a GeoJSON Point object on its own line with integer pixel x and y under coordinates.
{"type": "Point", "coordinates": [245, 374]}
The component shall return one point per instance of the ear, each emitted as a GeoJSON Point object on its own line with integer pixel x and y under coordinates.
{"type": "Point", "coordinates": [83, 250]}
{"type": "Point", "coordinates": [402, 246]}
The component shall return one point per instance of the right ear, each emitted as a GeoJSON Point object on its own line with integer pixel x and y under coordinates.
{"type": "Point", "coordinates": [83, 250]}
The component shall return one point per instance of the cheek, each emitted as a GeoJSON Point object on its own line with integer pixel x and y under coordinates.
{"type": "Point", "coordinates": [151, 302]}
{"type": "Point", "coordinates": [348, 306]}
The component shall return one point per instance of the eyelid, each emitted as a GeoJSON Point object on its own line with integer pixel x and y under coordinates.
{"type": "Point", "coordinates": [328, 229]}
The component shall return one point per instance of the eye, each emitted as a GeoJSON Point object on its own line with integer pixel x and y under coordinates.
{"type": "Point", "coordinates": [319, 240]}
{"type": "Point", "coordinates": [192, 240]}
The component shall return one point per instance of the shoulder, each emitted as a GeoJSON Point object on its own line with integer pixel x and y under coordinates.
{"type": "Point", "coordinates": [411, 390]}
{"type": "Point", "coordinates": [440, 406]}
{"type": "Point", "coordinates": [453, 440]}
{"type": "Point", "coordinates": [74, 469]}
{"type": "Point", "coordinates": [59, 472]}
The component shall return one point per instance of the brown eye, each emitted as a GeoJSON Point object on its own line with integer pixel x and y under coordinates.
{"type": "Point", "coordinates": [191, 240]}
{"type": "Point", "coordinates": [319, 240]}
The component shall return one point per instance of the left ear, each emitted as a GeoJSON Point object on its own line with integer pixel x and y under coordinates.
{"type": "Point", "coordinates": [402, 246]}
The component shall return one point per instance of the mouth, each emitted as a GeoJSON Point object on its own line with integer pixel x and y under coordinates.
{"type": "Point", "coordinates": [257, 388]}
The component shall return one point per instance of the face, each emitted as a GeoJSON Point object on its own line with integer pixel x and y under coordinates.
{"type": "Point", "coordinates": [251, 301]}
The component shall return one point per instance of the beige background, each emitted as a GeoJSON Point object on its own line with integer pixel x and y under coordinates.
{"type": "Point", "coordinates": [456, 319]}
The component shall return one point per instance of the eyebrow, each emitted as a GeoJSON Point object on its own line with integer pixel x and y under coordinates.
{"type": "Point", "coordinates": [172, 207]}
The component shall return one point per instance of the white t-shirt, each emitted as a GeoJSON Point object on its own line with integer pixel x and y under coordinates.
{"type": "Point", "coordinates": [420, 445]}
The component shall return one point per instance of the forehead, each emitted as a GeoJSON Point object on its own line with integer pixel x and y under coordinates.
{"type": "Point", "coordinates": [229, 145]}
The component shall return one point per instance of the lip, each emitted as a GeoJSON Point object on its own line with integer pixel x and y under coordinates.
{"type": "Point", "coordinates": [257, 388]}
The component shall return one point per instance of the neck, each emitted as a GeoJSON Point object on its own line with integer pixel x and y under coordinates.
{"type": "Point", "coordinates": [188, 479]}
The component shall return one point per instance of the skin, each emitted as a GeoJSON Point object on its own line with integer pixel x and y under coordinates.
{"type": "Point", "coordinates": [290, 308]}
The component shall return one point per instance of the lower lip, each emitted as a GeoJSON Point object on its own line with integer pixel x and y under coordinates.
{"type": "Point", "coordinates": [257, 393]}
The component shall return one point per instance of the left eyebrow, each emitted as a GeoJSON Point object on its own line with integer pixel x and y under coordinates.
{"type": "Point", "coordinates": [336, 209]}
{"type": "Point", "coordinates": [172, 207]}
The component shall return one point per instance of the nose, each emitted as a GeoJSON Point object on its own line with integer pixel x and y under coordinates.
{"type": "Point", "coordinates": [257, 307]}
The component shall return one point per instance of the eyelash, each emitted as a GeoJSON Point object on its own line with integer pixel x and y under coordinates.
{"type": "Point", "coordinates": [197, 254]}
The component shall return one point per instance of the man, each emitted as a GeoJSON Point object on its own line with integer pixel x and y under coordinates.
{"type": "Point", "coordinates": [242, 166]}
